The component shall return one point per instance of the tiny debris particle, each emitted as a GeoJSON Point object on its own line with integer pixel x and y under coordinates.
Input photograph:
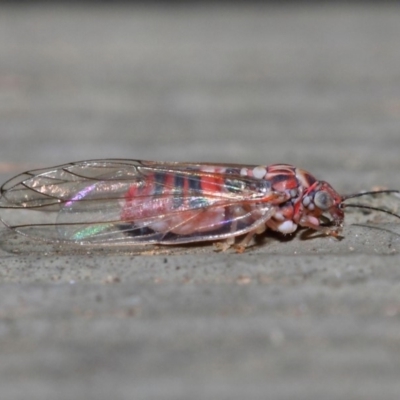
{"type": "Point", "coordinates": [131, 312]}
{"type": "Point", "coordinates": [243, 280]}
{"type": "Point", "coordinates": [112, 279]}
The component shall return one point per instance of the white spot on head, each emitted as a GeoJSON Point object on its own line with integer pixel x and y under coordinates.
{"type": "Point", "coordinates": [259, 172]}
{"type": "Point", "coordinates": [311, 207]}
{"type": "Point", "coordinates": [287, 227]}
{"type": "Point", "coordinates": [243, 172]}
{"type": "Point", "coordinates": [306, 201]}
{"type": "Point", "coordinates": [279, 216]}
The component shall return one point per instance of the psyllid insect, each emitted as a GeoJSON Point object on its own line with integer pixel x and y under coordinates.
{"type": "Point", "coordinates": [116, 201]}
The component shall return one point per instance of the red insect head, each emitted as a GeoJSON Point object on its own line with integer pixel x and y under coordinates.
{"type": "Point", "coordinates": [320, 199]}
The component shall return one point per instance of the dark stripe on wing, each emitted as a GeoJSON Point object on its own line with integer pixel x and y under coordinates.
{"type": "Point", "coordinates": [179, 182]}
{"type": "Point", "coordinates": [195, 183]}
{"type": "Point", "coordinates": [159, 181]}
{"type": "Point", "coordinates": [198, 201]}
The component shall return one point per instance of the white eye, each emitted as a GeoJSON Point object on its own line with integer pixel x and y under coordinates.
{"type": "Point", "coordinates": [323, 200]}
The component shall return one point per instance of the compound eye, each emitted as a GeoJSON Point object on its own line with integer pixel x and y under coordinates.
{"type": "Point", "coordinates": [323, 200]}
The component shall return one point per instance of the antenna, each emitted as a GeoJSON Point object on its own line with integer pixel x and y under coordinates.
{"type": "Point", "coordinates": [352, 196]}
{"type": "Point", "coordinates": [370, 208]}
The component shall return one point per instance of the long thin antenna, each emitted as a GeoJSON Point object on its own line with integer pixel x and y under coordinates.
{"type": "Point", "coordinates": [371, 208]}
{"type": "Point", "coordinates": [352, 196]}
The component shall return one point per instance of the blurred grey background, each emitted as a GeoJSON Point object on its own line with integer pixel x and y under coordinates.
{"type": "Point", "coordinates": [312, 84]}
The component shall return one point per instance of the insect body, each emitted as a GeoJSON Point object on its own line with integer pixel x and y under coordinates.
{"type": "Point", "coordinates": [143, 202]}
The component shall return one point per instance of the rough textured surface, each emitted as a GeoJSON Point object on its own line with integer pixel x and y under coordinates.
{"type": "Point", "coordinates": [294, 318]}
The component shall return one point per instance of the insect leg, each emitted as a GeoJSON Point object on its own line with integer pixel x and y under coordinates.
{"type": "Point", "coordinates": [241, 247]}
{"type": "Point", "coordinates": [224, 245]}
{"type": "Point", "coordinates": [313, 223]}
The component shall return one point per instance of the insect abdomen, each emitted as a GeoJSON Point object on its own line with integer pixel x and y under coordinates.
{"type": "Point", "coordinates": [184, 197]}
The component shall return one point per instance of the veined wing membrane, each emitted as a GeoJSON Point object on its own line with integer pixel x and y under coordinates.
{"type": "Point", "coordinates": [84, 202]}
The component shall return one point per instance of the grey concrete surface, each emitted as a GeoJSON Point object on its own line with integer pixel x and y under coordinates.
{"type": "Point", "coordinates": [292, 318]}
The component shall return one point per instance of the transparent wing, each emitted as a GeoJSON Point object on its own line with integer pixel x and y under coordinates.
{"type": "Point", "coordinates": [88, 202]}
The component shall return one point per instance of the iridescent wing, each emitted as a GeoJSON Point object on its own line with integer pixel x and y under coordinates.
{"type": "Point", "coordinates": [84, 202]}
